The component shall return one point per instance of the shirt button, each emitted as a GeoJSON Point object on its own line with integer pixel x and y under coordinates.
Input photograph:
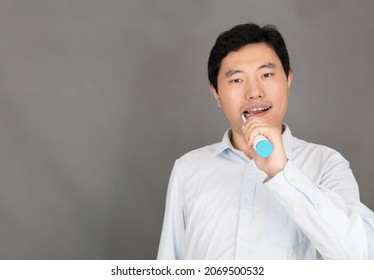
{"type": "Point", "coordinates": [246, 202]}
{"type": "Point", "coordinates": [243, 238]}
{"type": "Point", "coordinates": [294, 180]}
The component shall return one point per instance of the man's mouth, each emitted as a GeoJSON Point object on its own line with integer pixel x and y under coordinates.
{"type": "Point", "coordinates": [254, 111]}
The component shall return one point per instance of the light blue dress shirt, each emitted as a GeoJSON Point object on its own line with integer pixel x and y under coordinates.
{"type": "Point", "coordinates": [219, 205]}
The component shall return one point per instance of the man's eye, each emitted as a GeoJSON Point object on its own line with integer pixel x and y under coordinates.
{"type": "Point", "coordinates": [267, 75]}
{"type": "Point", "coordinates": [236, 81]}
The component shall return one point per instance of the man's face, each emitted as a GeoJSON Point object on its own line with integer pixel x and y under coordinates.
{"type": "Point", "coordinates": [252, 80]}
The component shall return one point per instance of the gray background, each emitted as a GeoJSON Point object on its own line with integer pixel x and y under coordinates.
{"type": "Point", "coordinates": [98, 98]}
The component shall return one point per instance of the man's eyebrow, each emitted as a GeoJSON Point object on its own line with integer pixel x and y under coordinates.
{"type": "Point", "coordinates": [267, 65]}
{"type": "Point", "coordinates": [232, 72]}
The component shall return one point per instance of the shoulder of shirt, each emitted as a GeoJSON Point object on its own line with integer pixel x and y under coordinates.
{"type": "Point", "coordinates": [199, 154]}
{"type": "Point", "coordinates": [317, 151]}
{"type": "Point", "coordinates": [194, 162]}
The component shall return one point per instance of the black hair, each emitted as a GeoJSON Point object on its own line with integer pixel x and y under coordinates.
{"type": "Point", "coordinates": [240, 36]}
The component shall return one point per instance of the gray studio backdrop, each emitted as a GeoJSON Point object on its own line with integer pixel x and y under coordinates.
{"type": "Point", "coordinates": [98, 98]}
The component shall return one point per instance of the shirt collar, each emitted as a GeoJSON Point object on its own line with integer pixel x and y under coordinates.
{"type": "Point", "coordinates": [287, 141]}
{"type": "Point", "coordinates": [226, 142]}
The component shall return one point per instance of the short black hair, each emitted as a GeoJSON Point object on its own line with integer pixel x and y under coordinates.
{"type": "Point", "coordinates": [240, 36]}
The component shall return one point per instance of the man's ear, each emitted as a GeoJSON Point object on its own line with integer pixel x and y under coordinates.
{"type": "Point", "coordinates": [289, 81]}
{"type": "Point", "coordinates": [215, 94]}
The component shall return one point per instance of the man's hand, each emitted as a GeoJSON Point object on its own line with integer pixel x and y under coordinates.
{"type": "Point", "coordinates": [277, 160]}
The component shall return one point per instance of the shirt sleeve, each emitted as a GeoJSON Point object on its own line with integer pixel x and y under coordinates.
{"type": "Point", "coordinates": [329, 212]}
{"type": "Point", "coordinates": [172, 235]}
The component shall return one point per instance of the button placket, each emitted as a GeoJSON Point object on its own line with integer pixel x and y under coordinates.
{"type": "Point", "coordinates": [246, 209]}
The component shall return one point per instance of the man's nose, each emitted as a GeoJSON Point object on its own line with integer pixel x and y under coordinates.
{"type": "Point", "coordinates": [253, 91]}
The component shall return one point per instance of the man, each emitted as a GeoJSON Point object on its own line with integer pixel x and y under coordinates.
{"type": "Point", "coordinates": [226, 202]}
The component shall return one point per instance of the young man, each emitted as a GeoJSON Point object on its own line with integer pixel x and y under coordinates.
{"type": "Point", "coordinates": [226, 202]}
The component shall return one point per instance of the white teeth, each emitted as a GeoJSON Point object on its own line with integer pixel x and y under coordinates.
{"type": "Point", "coordinates": [258, 109]}
{"type": "Point", "coordinates": [252, 112]}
